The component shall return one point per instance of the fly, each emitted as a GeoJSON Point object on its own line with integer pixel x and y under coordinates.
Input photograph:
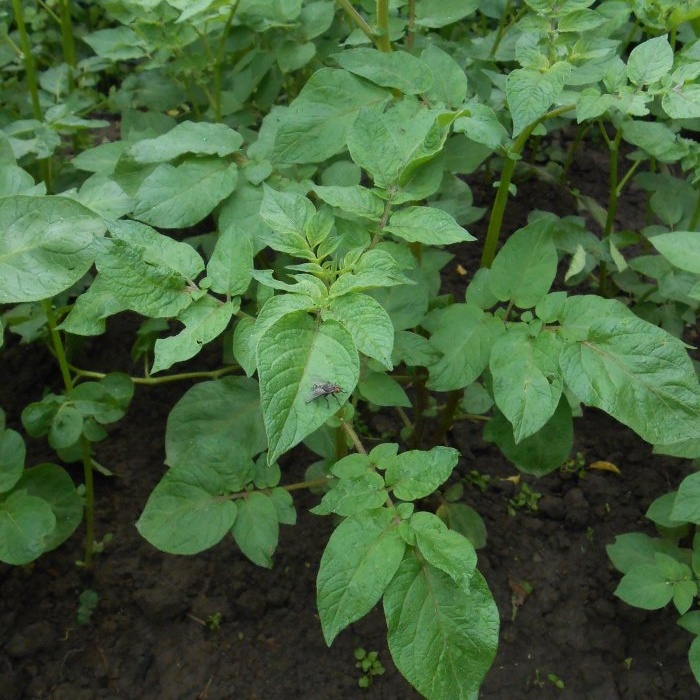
{"type": "Point", "coordinates": [324, 389]}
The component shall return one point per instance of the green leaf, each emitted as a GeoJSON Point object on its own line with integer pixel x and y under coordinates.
{"type": "Point", "coordinates": [524, 269]}
{"type": "Point", "coordinates": [12, 454]}
{"type": "Point", "coordinates": [181, 196]}
{"type": "Point", "coordinates": [230, 267]}
{"type": "Point", "coordinates": [352, 496]}
{"type": "Point", "coordinates": [644, 586]}
{"type": "Point", "coordinates": [148, 272]}
{"type": "Point", "coordinates": [284, 506]}
{"type": "Point", "coordinates": [541, 453]}
{"type": "Point", "coordinates": [353, 199]}
{"type": "Point", "coordinates": [91, 308]}
{"type": "Point", "coordinates": [46, 245]}
{"type": "Point", "coordinates": [440, 13]}
{"type": "Point", "coordinates": [449, 85]}
{"type": "Point", "coordinates": [201, 138]}
{"type": "Point", "coordinates": [530, 93]}
{"type": "Point", "coordinates": [368, 323]}
{"type": "Point", "coordinates": [273, 310]}
{"type": "Point", "coordinates": [214, 414]}
{"type": "Point", "coordinates": [204, 320]}
{"type": "Point", "coordinates": [106, 400]}
{"type": "Point", "coordinates": [288, 215]}
{"type": "Point", "coordinates": [480, 124]}
{"type": "Point", "coordinates": [427, 225]}
{"type": "Point", "coordinates": [444, 549]}
{"type": "Point", "coordinates": [66, 427]}
{"type": "Point", "coordinates": [465, 520]}
{"type": "Point", "coordinates": [376, 268]}
{"type": "Point", "coordinates": [680, 248]}
{"type": "Point", "coordinates": [315, 126]}
{"type": "Point", "coordinates": [53, 486]}
{"type": "Point", "coordinates": [442, 638]}
{"type": "Point", "coordinates": [694, 658]}
{"type": "Point", "coordinates": [382, 390]}
{"type": "Point", "coordinates": [292, 355]}
{"type": "Point", "coordinates": [650, 61]}
{"type": "Point", "coordinates": [360, 559]}
{"type": "Point", "coordinates": [386, 142]}
{"type": "Point", "coordinates": [256, 529]}
{"type": "Point", "coordinates": [188, 510]}
{"type": "Point", "coordinates": [397, 69]}
{"type": "Point", "coordinates": [527, 381]}
{"type": "Point", "coordinates": [682, 102]}
{"type": "Point", "coordinates": [417, 473]}
{"type": "Point", "coordinates": [25, 524]}
{"type": "Point", "coordinates": [686, 505]}
{"type": "Point", "coordinates": [636, 372]}
{"type": "Point", "coordinates": [632, 549]}
{"type": "Point", "coordinates": [464, 335]}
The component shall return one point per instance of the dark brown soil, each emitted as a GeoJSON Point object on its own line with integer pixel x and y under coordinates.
{"type": "Point", "coordinates": [149, 639]}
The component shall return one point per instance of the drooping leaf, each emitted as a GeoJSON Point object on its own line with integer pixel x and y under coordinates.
{"type": "Point", "coordinates": [540, 453]}
{"type": "Point", "coordinates": [443, 548]}
{"type": "Point", "coordinates": [204, 320]}
{"type": "Point", "coordinates": [527, 381]}
{"type": "Point", "coordinates": [524, 269]}
{"type": "Point", "coordinates": [442, 638]}
{"type": "Point", "coordinates": [256, 529]}
{"type": "Point", "coordinates": [359, 561]}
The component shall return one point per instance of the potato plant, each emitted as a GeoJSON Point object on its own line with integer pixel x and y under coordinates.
{"type": "Point", "coordinates": [287, 184]}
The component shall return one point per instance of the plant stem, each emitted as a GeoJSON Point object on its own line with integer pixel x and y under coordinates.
{"type": "Point", "coordinates": [358, 19]}
{"type": "Point", "coordinates": [613, 193]}
{"type": "Point", "coordinates": [150, 381]}
{"type": "Point", "coordinates": [86, 458]}
{"type": "Point", "coordinates": [382, 40]}
{"type": "Point", "coordinates": [220, 60]}
{"type": "Point", "coordinates": [499, 204]}
{"type": "Point", "coordinates": [68, 41]}
{"type": "Point", "coordinates": [32, 80]}
{"type": "Point", "coordinates": [448, 416]}
{"type": "Point", "coordinates": [85, 452]}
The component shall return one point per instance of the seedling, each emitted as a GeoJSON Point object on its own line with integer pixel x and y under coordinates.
{"type": "Point", "coordinates": [369, 664]}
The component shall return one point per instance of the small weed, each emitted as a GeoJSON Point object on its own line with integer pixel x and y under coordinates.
{"type": "Point", "coordinates": [370, 666]}
{"type": "Point", "coordinates": [87, 604]}
{"type": "Point", "coordinates": [481, 481]}
{"type": "Point", "coordinates": [552, 678]}
{"type": "Point", "coordinates": [526, 499]}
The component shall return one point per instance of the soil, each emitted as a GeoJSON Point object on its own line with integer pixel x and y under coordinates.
{"type": "Point", "coordinates": [149, 637]}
